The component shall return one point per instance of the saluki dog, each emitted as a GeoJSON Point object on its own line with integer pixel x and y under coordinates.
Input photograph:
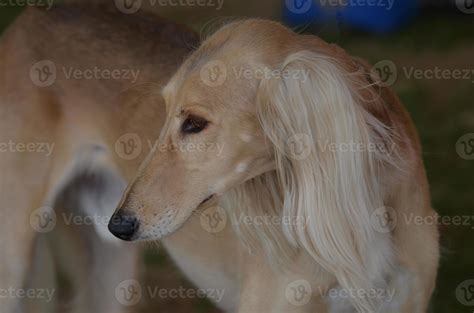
{"type": "Point", "coordinates": [274, 166]}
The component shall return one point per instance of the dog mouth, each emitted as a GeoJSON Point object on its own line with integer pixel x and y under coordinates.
{"type": "Point", "coordinates": [206, 200]}
{"type": "Point", "coordinates": [167, 225]}
{"type": "Point", "coordinates": [174, 223]}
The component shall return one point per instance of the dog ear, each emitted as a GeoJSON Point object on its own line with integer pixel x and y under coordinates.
{"type": "Point", "coordinates": [329, 160]}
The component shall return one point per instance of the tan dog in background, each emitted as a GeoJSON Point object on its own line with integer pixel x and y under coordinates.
{"type": "Point", "coordinates": [70, 99]}
{"type": "Point", "coordinates": [257, 121]}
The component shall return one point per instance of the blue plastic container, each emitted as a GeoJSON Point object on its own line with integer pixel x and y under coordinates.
{"type": "Point", "coordinates": [380, 16]}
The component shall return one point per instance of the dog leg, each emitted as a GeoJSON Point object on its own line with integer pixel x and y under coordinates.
{"type": "Point", "coordinates": [22, 216]}
{"type": "Point", "coordinates": [273, 291]}
{"type": "Point", "coordinates": [42, 279]}
{"type": "Point", "coordinates": [90, 197]}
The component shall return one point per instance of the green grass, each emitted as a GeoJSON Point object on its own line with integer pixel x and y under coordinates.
{"type": "Point", "coordinates": [7, 15]}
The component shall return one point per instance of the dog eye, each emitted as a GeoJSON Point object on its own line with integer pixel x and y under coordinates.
{"type": "Point", "coordinates": [193, 125]}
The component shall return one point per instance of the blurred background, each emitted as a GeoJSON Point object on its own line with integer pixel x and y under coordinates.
{"type": "Point", "coordinates": [425, 51]}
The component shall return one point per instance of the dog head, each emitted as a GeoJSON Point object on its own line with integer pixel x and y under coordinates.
{"type": "Point", "coordinates": [212, 139]}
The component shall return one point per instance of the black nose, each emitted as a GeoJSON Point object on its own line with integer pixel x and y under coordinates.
{"type": "Point", "coordinates": [123, 225]}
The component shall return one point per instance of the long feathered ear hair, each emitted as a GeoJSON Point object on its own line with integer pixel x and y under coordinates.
{"type": "Point", "coordinates": [330, 153]}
